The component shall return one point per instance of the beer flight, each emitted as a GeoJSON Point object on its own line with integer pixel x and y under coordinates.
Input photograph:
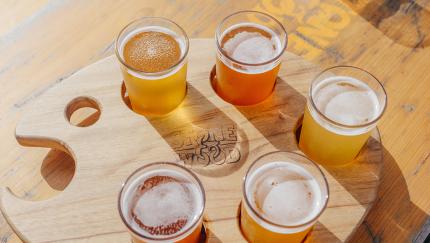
{"type": "Point", "coordinates": [284, 193]}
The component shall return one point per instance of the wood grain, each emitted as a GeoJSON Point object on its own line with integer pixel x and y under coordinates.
{"type": "Point", "coordinates": [68, 35]}
{"type": "Point", "coordinates": [120, 141]}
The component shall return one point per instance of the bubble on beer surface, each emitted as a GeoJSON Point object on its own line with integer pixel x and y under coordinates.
{"type": "Point", "coordinates": [250, 44]}
{"type": "Point", "coordinates": [286, 194]}
{"type": "Point", "coordinates": [346, 100]}
{"type": "Point", "coordinates": [164, 205]}
{"type": "Point", "coordinates": [151, 51]}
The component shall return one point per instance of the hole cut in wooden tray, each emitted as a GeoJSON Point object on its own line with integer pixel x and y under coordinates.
{"type": "Point", "coordinates": [121, 141]}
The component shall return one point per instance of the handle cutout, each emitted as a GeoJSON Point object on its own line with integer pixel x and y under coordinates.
{"type": "Point", "coordinates": [83, 111]}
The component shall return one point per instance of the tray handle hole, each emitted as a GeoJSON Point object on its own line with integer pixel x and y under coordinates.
{"type": "Point", "coordinates": [82, 111]}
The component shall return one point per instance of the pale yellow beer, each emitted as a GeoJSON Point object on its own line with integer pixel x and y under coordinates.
{"type": "Point", "coordinates": [163, 202]}
{"type": "Point", "coordinates": [152, 52]}
{"type": "Point", "coordinates": [283, 195]}
{"type": "Point", "coordinates": [343, 107]}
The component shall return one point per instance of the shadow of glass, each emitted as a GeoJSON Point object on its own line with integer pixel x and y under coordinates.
{"type": "Point", "coordinates": [403, 21]}
{"type": "Point", "coordinates": [204, 138]}
{"type": "Point", "coordinates": [393, 215]}
{"type": "Point", "coordinates": [321, 234]}
{"type": "Point", "coordinates": [281, 111]}
{"type": "Point", "coordinates": [213, 238]}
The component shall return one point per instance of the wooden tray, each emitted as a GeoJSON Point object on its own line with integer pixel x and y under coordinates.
{"type": "Point", "coordinates": [215, 139]}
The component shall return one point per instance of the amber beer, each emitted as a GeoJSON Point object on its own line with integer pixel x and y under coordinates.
{"type": "Point", "coordinates": [283, 195]}
{"type": "Point", "coordinates": [163, 202]}
{"type": "Point", "coordinates": [152, 52]}
{"type": "Point", "coordinates": [248, 57]}
{"type": "Point", "coordinates": [344, 106]}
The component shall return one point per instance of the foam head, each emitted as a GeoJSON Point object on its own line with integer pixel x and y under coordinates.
{"type": "Point", "coordinates": [151, 49]}
{"type": "Point", "coordinates": [250, 43]}
{"type": "Point", "coordinates": [162, 203]}
{"type": "Point", "coordinates": [284, 193]}
{"type": "Point", "coordinates": [346, 100]}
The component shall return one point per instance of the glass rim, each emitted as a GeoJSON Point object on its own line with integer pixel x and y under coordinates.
{"type": "Point", "coordinates": [268, 221]}
{"type": "Point", "coordinates": [159, 73]}
{"type": "Point", "coordinates": [186, 230]}
{"type": "Point", "coordinates": [284, 43]}
{"type": "Point", "coordinates": [320, 113]}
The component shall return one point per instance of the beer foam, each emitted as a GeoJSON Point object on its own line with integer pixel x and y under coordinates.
{"type": "Point", "coordinates": [250, 47]}
{"type": "Point", "coordinates": [162, 203]}
{"type": "Point", "coordinates": [152, 49]}
{"type": "Point", "coordinates": [285, 193]}
{"type": "Point", "coordinates": [168, 203]}
{"type": "Point", "coordinates": [251, 43]}
{"type": "Point", "coordinates": [346, 100]}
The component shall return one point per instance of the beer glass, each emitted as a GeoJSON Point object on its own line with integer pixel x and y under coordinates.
{"type": "Point", "coordinates": [249, 49]}
{"type": "Point", "coordinates": [152, 53]}
{"type": "Point", "coordinates": [343, 107]}
{"type": "Point", "coordinates": [162, 202]}
{"type": "Point", "coordinates": [284, 193]}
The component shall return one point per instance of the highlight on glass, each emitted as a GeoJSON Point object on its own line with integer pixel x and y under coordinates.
{"type": "Point", "coordinates": [344, 105]}
{"type": "Point", "coordinates": [249, 49]}
{"type": "Point", "coordinates": [284, 193]}
{"type": "Point", "coordinates": [152, 52]}
{"type": "Point", "coordinates": [163, 202]}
